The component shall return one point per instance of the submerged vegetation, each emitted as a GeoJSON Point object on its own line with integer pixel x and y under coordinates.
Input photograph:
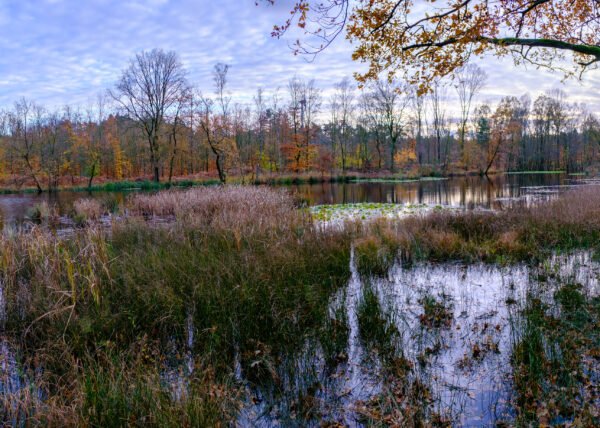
{"type": "Point", "coordinates": [193, 301]}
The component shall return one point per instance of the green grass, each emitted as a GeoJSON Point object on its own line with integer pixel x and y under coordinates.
{"type": "Point", "coordinates": [99, 308]}
{"type": "Point", "coordinates": [536, 172]}
{"type": "Point", "coordinates": [377, 330]}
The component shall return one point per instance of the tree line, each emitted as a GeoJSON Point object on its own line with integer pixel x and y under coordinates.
{"type": "Point", "coordinates": [155, 123]}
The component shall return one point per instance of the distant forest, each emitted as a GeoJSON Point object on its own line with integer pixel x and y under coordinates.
{"type": "Point", "coordinates": [155, 124]}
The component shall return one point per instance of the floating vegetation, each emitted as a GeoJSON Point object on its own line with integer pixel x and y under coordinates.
{"type": "Point", "coordinates": [368, 211]}
{"type": "Point", "coordinates": [436, 313]}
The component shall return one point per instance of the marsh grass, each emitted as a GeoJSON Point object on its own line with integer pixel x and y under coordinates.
{"type": "Point", "coordinates": [377, 250]}
{"type": "Point", "coordinates": [436, 312]}
{"type": "Point", "coordinates": [93, 315]}
{"type": "Point", "coordinates": [252, 269]}
{"type": "Point", "coordinates": [405, 400]}
{"type": "Point", "coordinates": [377, 329]}
{"type": "Point", "coordinates": [87, 209]}
{"type": "Point", "coordinates": [549, 361]}
{"type": "Point", "coordinates": [42, 212]}
{"type": "Point", "coordinates": [519, 234]}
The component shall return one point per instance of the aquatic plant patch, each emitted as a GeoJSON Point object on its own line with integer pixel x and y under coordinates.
{"type": "Point", "coordinates": [368, 211]}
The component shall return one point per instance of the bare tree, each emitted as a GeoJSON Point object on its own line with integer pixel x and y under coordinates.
{"type": "Point", "coordinates": [24, 124]}
{"type": "Point", "coordinates": [391, 102]}
{"type": "Point", "coordinates": [216, 126]}
{"type": "Point", "coordinates": [470, 79]}
{"type": "Point", "coordinates": [439, 122]}
{"type": "Point", "coordinates": [342, 111]}
{"type": "Point", "coordinates": [176, 125]}
{"type": "Point", "coordinates": [372, 118]}
{"type": "Point", "coordinates": [151, 86]}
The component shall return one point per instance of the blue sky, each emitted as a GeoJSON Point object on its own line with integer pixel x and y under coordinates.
{"type": "Point", "coordinates": [61, 52]}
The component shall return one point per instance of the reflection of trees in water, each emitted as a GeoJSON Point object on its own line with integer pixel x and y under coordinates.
{"type": "Point", "coordinates": [469, 192]}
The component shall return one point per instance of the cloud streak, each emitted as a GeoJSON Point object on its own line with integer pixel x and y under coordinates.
{"type": "Point", "coordinates": [66, 51]}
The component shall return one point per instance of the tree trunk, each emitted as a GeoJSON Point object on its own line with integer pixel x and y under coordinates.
{"type": "Point", "coordinates": [32, 173]}
{"type": "Point", "coordinates": [221, 169]}
{"type": "Point", "coordinates": [92, 174]}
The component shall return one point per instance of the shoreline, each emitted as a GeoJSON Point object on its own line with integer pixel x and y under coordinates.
{"type": "Point", "coordinates": [281, 180]}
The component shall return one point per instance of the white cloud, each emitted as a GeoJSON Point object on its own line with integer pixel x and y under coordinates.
{"type": "Point", "coordinates": [65, 51]}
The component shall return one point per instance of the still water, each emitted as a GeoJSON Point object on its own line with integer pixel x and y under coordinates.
{"type": "Point", "coordinates": [467, 192]}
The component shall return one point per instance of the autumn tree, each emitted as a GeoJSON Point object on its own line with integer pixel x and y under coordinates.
{"type": "Point", "coordinates": [25, 123]}
{"type": "Point", "coordinates": [214, 117]}
{"type": "Point", "coordinates": [506, 130]}
{"type": "Point", "coordinates": [149, 88]}
{"type": "Point", "coordinates": [423, 40]}
{"type": "Point", "coordinates": [304, 105]}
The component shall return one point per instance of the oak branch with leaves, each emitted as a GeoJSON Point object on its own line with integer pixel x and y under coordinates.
{"type": "Point", "coordinates": [427, 39]}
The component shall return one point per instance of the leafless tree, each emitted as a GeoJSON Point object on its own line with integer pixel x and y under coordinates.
{"type": "Point", "coordinates": [149, 88]}
{"type": "Point", "coordinates": [470, 79]}
{"type": "Point", "coordinates": [391, 101]}
{"type": "Point", "coordinates": [216, 126]}
{"type": "Point", "coordinates": [342, 111]}
{"type": "Point", "coordinates": [25, 124]}
{"type": "Point", "coordinates": [439, 123]}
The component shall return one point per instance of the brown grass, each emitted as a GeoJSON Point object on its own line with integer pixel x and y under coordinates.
{"type": "Point", "coordinates": [571, 221]}
{"type": "Point", "coordinates": [88, 209]}
{"type": "Point", "coordinates": [236, 207]}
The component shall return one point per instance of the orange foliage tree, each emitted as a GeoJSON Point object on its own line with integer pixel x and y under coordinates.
{"type": "Point", "coordinates": [426, 39]}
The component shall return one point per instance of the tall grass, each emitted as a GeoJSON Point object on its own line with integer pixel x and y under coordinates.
{"type": "Point", "coordinates": [94, 317]}
{"type": "Point", "coordinates": [518, 234]}
{"type": "Point", "coordinates": [251, 270]}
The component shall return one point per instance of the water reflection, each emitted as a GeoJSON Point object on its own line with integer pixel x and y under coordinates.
{"type": "Point", "coordinates": [469, 192]}
{"type": "Point", "coordinates": [465, 366]}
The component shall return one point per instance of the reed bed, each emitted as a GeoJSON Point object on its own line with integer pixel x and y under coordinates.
{"type": "Point", "coordinates": [97, 318]}
{"type": "Point", "coordinates": [519, 234]}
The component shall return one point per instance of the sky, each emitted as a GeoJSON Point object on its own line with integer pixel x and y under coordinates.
{"type": "Point", "coordinates": [59, 52]}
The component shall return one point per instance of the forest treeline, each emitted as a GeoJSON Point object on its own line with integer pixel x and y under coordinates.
{"type": "Point", "coordinates": [155, 123]}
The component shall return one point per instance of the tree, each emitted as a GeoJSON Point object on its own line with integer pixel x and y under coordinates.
{"type": "Point", "coordinates": [506, 130]}
{"type": "Point", "coordinates": [25, 125]}
{"type": "Point", "coordinates": [342, 111]}
{"type": "Point", "coordinates": [391, 102]}
{"type": "Point", "coordinates": [469, 81]}
{"type": "Point", "coordinates": [431, 38]}
{"type": "Point", "coordinates": [149, 88]}
{"type": "Point", "coordinates": [304, 105]}
{"type": "Point", "coordinates": [216, 125]}
{"type": "Point", "coordinates": [372, 117]}
{"type": "Point", "coordinates": [439, 123]}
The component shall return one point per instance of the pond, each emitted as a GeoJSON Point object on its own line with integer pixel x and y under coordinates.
{"type": "Point", "coordinates": [464, 192]}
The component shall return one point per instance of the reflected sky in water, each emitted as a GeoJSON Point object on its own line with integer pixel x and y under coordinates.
{"type": "Point", "coordinates": [468, 192]}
